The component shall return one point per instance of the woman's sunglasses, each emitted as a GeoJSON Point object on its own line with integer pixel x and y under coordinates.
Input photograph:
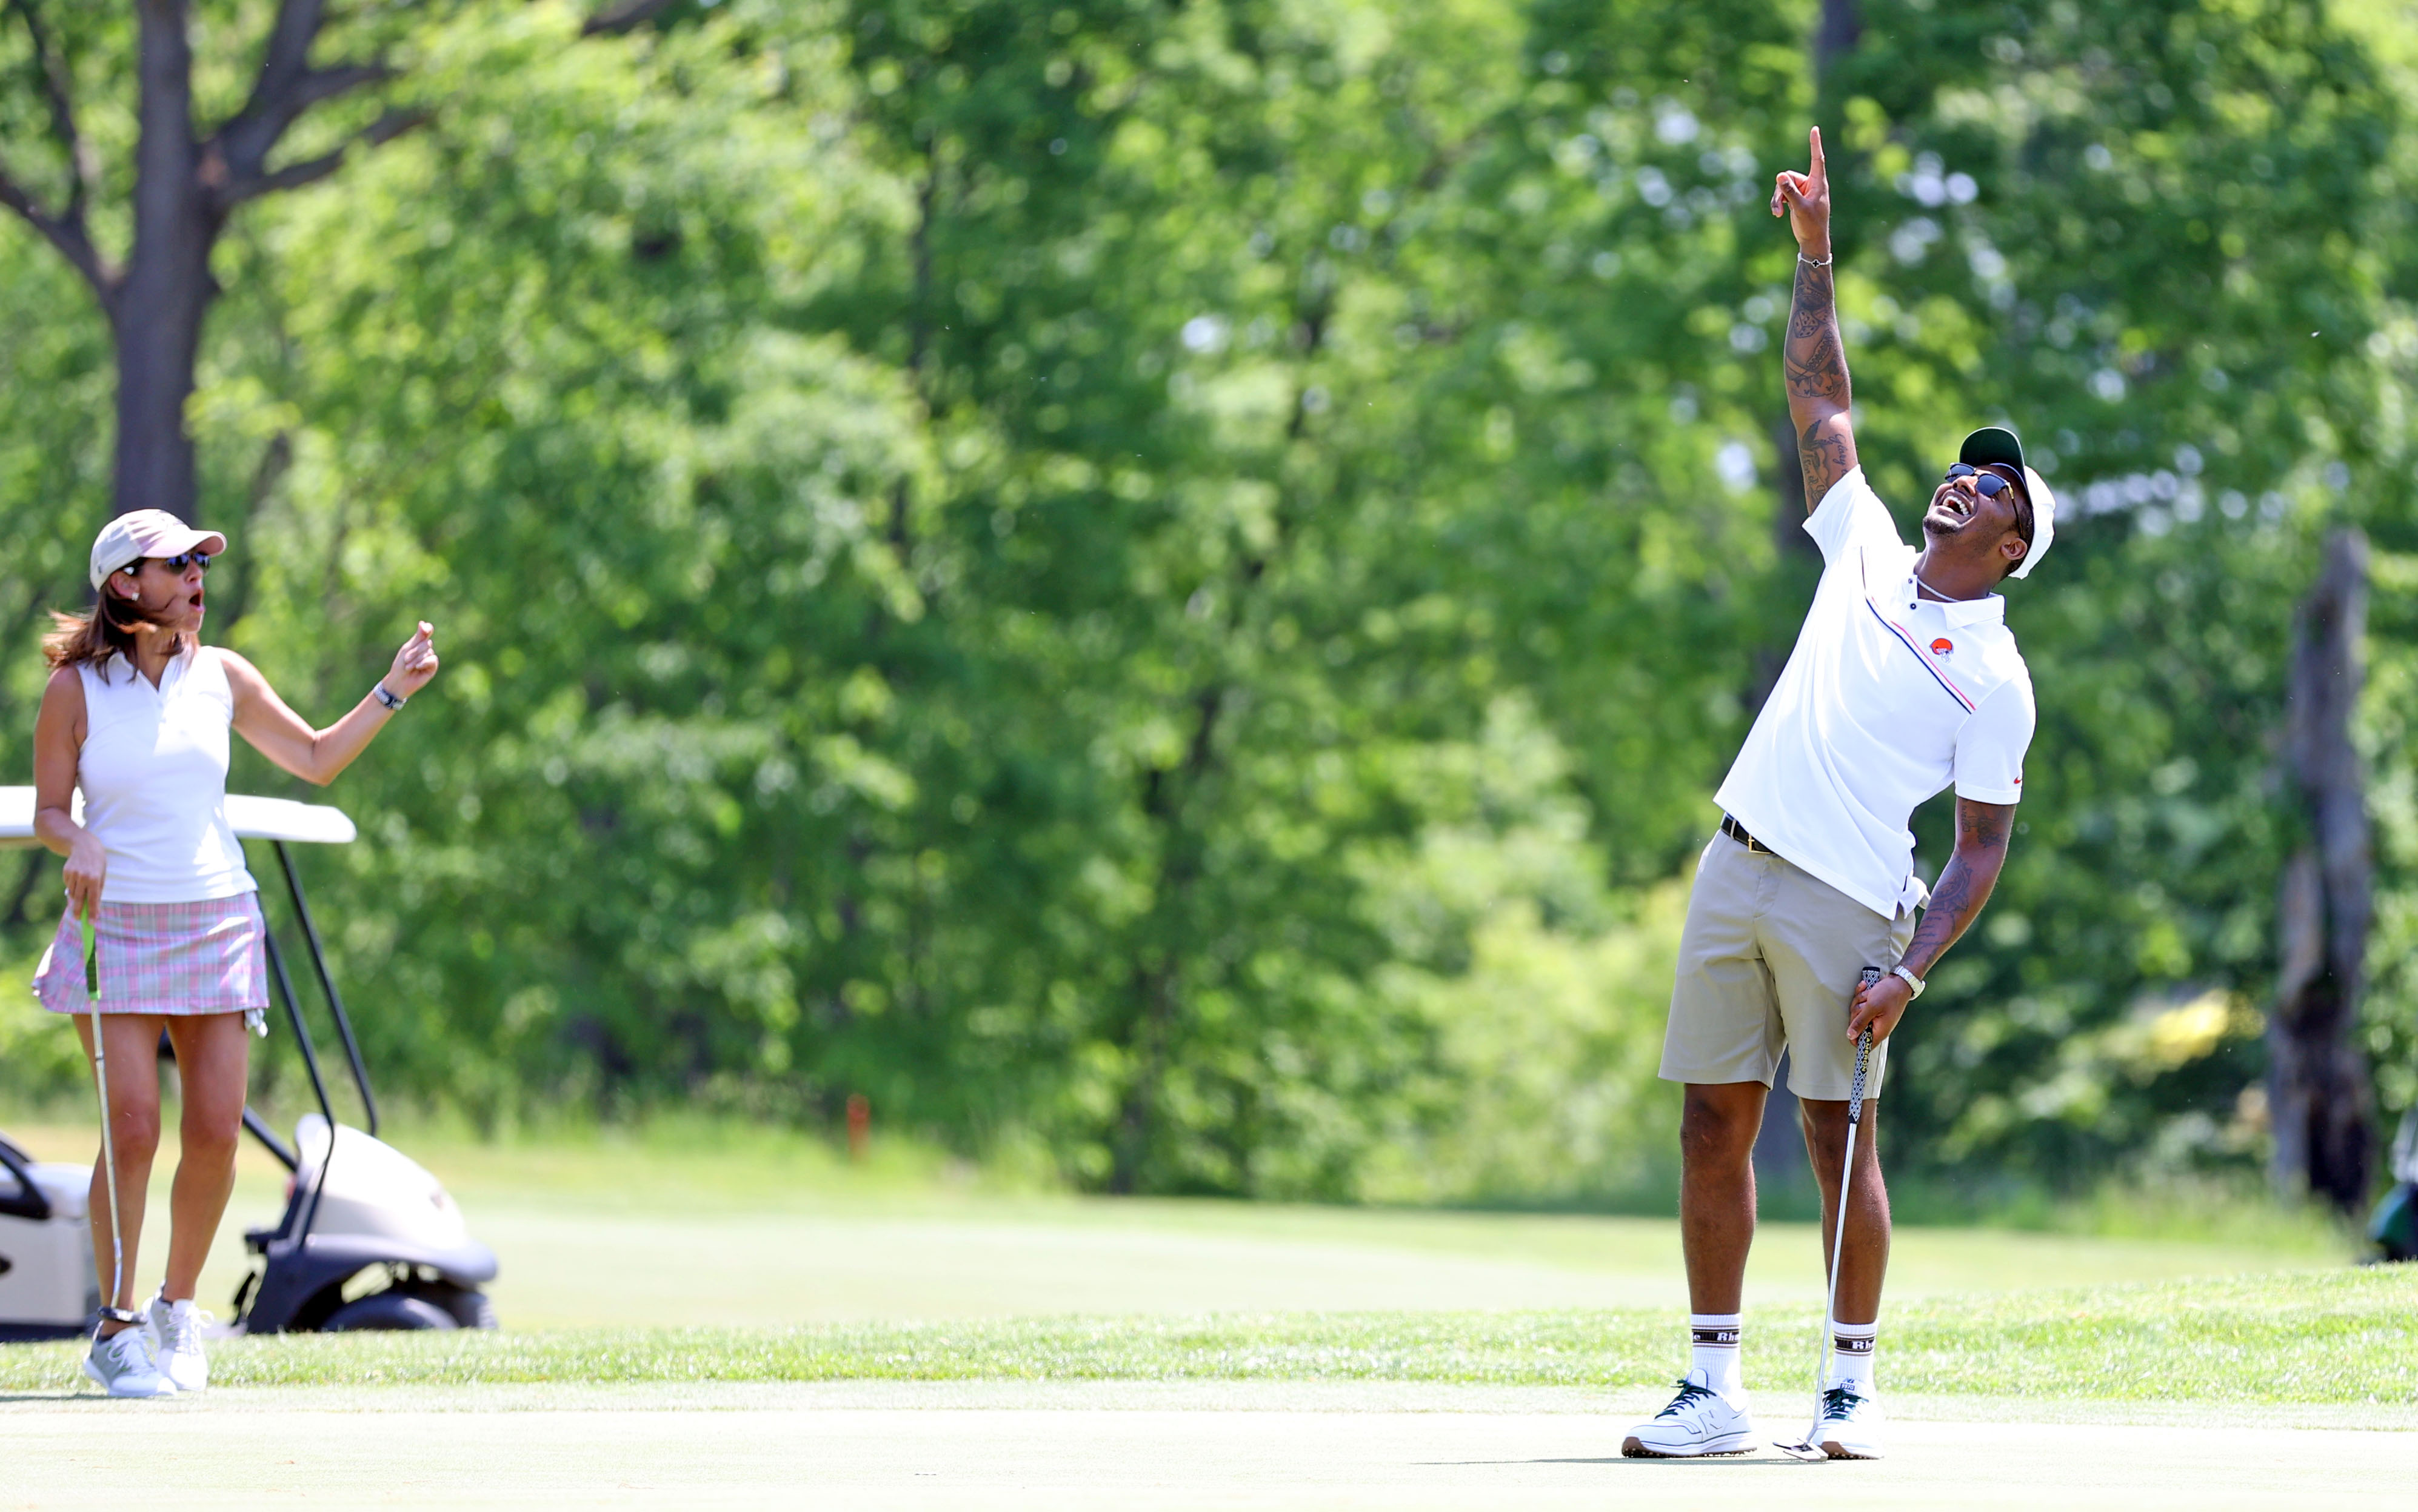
{"type": "Point", "coordinates": [1988, 483]}
{"type": "Point", "coordinates": [175, 564]}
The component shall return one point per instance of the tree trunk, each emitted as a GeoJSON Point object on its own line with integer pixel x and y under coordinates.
{"type": "Point", "coordinates": [1799, 555]}
{"type": "Point", "coordinates": [157, 309]}
{"type": "Point", "coordinates": [1835, 36]}
{"type": "Point", "coordinates": [2318, 1083]}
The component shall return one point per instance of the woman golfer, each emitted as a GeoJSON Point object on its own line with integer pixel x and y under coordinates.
{"type": "Point", "coordinates": [136, 714]}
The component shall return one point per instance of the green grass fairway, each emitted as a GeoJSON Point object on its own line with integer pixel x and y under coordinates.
{"type": "Point", "coordinates": [753, 1321]}
{"type": "Point", "coordinates": [664, 1261]}
{"type": "Point", "coordinates": [711, 1231]}
{"type": "Point", "coordinates": [2346, 1337]}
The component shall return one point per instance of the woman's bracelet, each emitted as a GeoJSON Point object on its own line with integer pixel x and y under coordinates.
{"type": "Point", "coordinates": [386, 698]}
{"type": "Point", "coordinates": [1815, 262]}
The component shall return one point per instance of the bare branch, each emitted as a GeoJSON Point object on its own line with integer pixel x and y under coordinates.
{"type": "Point", "coordinates": [58, 90]}
{"type": "Point", "coordinates": [67, 234]}
{"type": "Point", "coordinates": [327, 83]}
{"type": "Point", "coordinates": [393, 124]}
{"type": "Point", "coordinates": [628, 16]}
{"type": "Point", "coordinates": [277, 94]}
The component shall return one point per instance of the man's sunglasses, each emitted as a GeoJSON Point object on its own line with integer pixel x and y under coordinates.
{"type": "Point", "coordinates": [1989, 484]}
{"type": "Point", "coordinates": [175, 564]}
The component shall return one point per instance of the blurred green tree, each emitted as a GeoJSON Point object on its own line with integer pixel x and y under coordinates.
{"type": "Point", "coordinates": [131, 138]}
{"type": "Point", "coordinates": [1175, 581]}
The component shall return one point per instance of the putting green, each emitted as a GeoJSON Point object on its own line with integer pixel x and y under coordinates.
{"type": "Point", "coordinates": [1111, 1445]}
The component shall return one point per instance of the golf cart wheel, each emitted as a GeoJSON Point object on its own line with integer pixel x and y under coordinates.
{"type": "Point", "coordinates": [467, 1307]}
{"type": "Point", "coordinates": [393, 1308]}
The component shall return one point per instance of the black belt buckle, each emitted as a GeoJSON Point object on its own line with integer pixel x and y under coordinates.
{"type": "Point", "coordinates": [1738, 831]}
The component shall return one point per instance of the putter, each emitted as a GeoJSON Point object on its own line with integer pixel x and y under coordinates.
{"type": "Point", "coordinates": [1809, 1450]}
{"type": "Point", "coordinates": [109, 1311]}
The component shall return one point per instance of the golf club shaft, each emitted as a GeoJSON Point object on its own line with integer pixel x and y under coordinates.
{"type": "Point", "coordinates": [108, 1130]}
{"type": "Point", "coordinates": [1839, 1220]}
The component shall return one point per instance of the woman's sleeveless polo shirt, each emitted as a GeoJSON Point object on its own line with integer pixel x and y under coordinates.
{"type": "Point", "coordinates": [153, 771]}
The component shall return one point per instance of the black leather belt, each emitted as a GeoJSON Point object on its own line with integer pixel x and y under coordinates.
{"type": "Point", "coordinates": [1738, 831]}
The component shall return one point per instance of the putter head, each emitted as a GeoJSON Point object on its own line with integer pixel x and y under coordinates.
{"type": "Point", "coordinates": [1810, 1453]}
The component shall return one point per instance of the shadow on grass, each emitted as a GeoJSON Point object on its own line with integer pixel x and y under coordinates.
{"type": "Point", "coordinates": [1708, 1460]}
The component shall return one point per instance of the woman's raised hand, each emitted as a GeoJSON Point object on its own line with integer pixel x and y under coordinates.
{"type": "Point", "coordinates": [415, 664]}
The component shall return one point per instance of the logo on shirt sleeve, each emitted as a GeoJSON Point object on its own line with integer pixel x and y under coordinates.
{"type": "Point", "coordinates": [1942, 645]}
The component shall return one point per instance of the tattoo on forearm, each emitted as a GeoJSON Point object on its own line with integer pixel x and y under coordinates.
{"type": "Point", "coordinates": [1815, 303]}
{"type": "Point", "coordinates": [1965, 884]}
{"type": "Point", "coordinates": [1951, 908]}
{"type": "Point", "coordinates": [1814, 362]}
{"type": "Point", "coordinates": [1817, 367]}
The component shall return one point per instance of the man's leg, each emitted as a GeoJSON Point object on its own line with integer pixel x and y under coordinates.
{"type": "Point", "coordinates": [1716, 1129]}
{"type": "Point", "coordinates": [1817, 941]}
{"type": "Point", "coordinates": [1721, 1044]}
{"type": "Point", "coordinates": [1865, 1261]}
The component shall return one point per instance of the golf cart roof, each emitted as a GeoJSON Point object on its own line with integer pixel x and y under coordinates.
{"type": "Point", "coordinates": [253, 818]}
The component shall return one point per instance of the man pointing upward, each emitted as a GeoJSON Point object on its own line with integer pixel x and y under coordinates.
{"type": "Point", "coordinates": [1905, 680]}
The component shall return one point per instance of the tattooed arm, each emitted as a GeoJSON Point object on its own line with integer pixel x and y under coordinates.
{"type": "Point", "coordinates": [1812, 358]}
{"type": "Point", "coordinates": [1981, 832]}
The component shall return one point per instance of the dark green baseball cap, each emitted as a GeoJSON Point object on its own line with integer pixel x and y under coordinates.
{"type": "Point", "coordinates": [1995, 444]}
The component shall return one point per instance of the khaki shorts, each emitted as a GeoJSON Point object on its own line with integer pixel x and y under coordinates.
{"type": "Point", "coordinates": [1771, 957]}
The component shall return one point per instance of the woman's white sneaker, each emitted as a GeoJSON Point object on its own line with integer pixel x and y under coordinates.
{"type": "Point", "coordinates": [175, 1332]}
{"type": "Point", "coordinates": [122, 1365]}
{"type": "Point", "coordinates": [1699, 1421]}
{"type": "Point", "coordinates": [1852, 1423]}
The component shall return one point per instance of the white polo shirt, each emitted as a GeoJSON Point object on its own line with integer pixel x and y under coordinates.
{"type": "Point", "coordinates": [1888, 698]}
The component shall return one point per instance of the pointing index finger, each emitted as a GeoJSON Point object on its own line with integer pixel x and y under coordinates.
{"type": "Point", "coordinates": [1820, 173]}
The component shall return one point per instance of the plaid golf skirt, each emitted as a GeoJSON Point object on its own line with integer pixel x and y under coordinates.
{"type": "Point", "coordinates": [203, 957]}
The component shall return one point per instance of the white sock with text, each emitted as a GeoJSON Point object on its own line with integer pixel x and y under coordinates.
{"type": "Point", "coordinates": [1714, 1345]}
{"type": "Point", "coordinates": [1851, 1355]}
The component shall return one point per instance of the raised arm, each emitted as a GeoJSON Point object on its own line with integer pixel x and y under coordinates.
{"type": "Point", "coordinates": [1813, 359]}
{"type": "Point", "coordinates": [277, 732]}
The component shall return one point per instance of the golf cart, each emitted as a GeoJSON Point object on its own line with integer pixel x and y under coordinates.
{"type": "Point", "coordinates": [356, 1209]}
{"type": "Point", "coordinates": [48, 1287]}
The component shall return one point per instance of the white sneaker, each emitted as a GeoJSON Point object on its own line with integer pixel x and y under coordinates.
{"type": "Point", "coordinates": [122, 1365]}
{"type": "Point", "coordinates": [175, 1330]}
{"type": "Point", "coordinates": [1852, 1423]}
{"type": "Point", "coordinates": [1699, 1421]}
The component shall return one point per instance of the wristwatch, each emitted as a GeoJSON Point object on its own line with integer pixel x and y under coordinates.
{"type": "Point", "coordinates": [389, 700]}
{"type": "Point", "coordinates": [1909, 979]}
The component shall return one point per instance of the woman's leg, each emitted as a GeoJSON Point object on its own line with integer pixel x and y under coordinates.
{"type": "Point", "coordinates": [131, 1041]}
{"type": "Point", "coordinates": [214, 1063]}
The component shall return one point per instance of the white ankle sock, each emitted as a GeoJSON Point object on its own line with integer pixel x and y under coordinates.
{"type": "Point", "coordinates": [1714, 1337]}
{"type": "Point", "coordinates": [1851, 1355]}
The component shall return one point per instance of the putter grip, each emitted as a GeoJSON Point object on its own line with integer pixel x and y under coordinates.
{"type": "Point", "coordinates": [91, 957]}
{"type": "Point", "coordinates": [1872, 976]}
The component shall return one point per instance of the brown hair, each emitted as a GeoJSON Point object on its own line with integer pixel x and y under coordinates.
{"type": "Point", "coordinates": [87, 639]}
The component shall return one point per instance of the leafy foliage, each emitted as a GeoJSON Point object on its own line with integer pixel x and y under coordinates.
{"type": "Point", "coordinates": [1176, 579]}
